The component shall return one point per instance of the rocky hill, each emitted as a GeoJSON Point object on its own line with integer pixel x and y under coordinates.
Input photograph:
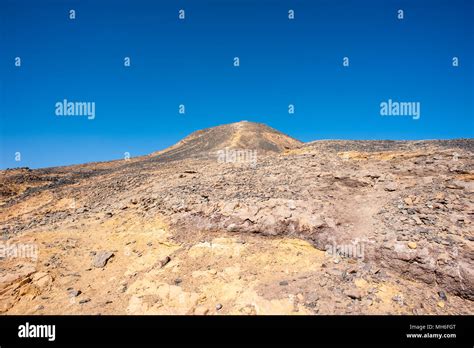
{"type": "Point", "coordinates": [242, 219]}
{"type": "Point", "coordinates": [242, 135]}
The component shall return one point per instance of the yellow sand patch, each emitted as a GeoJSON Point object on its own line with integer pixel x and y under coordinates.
{"type": "Point", "coordinates": [249, 302]}
{"type": "Point", "coordinates": [153, 297]}
{"type": "Point", "coordinates": [39, 201]}
{"type": "Point", "coordinates": [217, 247]}
{"type": "Point", "coordinates": [466, 177]}
{"type": "Point", "coordinates": [289, 253]}
{"type": "Point", "coordinates": [361, 283]}
{"type": "Point", "coordinates": [381, 156]}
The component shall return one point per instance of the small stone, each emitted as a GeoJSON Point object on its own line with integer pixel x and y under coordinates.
{"type": "Point", "coordinates": [232, 228]}
{"type": "Point", "coordinates": [85, 300]}
{"type": "Point", "coordinates": [352, 270]}
{"type": "Point", "coordinates": [355, 294]}
{"type": "Point", "coordinates": [398, 299]}
{"type": "Point", "coordinates": [164, 261]}
{"type": "Point", "coordinates": [391, 187]}
{"type": "Point", "coordinates": [408, 201]}
{"type": "Point", "coordinates": [417, 220]}
{"type": "Point", "coordinates": [441, 304]}
{"type": "Point", "coordinates": [178, 281]}
{"type": "Point", "coordinates": [284, 283]}
{"type": "Point", "coordinates": [101, 258]}
{"type": "Point", "coordinates": [412, 245]}
{"type": "Point", "coordinates": [442, 295]}
{"type": "Point", "coordinates": [218, 306]}
{"type": "Point", "coordinates": [41, 279]}
{"type": "Point", "coordinates": [73, 292]}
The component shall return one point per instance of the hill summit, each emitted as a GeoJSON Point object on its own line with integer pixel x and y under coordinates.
{"type": "Point", "coordinates": [239, 135]}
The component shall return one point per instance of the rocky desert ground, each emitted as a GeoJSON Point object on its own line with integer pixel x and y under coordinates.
{"type": "Point", "coordinates": [242, 219]}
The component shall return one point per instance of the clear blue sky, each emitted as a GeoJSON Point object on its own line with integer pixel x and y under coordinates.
{"type": "Point", "coordinates": [191, 62]}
